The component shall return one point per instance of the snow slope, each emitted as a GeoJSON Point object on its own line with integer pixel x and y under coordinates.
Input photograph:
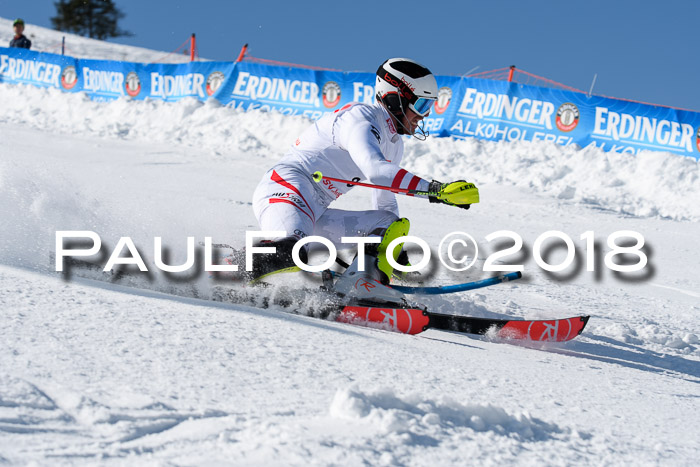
{"type": "Point", "coordinates": [49, 40]}
{"type": "Point", "coordinates": [92, 371]}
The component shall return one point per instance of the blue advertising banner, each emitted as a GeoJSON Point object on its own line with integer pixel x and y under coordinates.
{"type": "Point", "coordinates": [499, 110]}
{"type": "Point", "coordinates": [294, 91]}
{"type": "Point", "coordinates": [105, 80]}
{"type": "Point", "coordinates": [466, 107]}
{"type": "Point", "coordinates": [200, 80]}
{"type": "Point", "coordinates": [22, 66]}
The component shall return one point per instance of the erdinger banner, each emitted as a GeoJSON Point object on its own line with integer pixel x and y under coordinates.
{"type": "Point", "coordinates": [23, 66]}
{"type": "Point", "coordinates": [465, 108]}
{"type": "Point", "coordinates": [200, 80]}
{"type": "Point", "coordinates": [294, 91]}
{"type": "Point", "coordinates": [498, 110]}
{"type": "Point", "coordinates": [107, 79]}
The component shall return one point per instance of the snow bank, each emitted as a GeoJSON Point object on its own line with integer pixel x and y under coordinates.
{"type": "Point", "coordinates": [444, 431]}
{"type": "Point", "coordinates": [49, 40]}
{"type": "Point", "coordinates": [387, 413]}
{"type": "Point", "coordinates": [658, 336]}
{"type": "Point", "coordinates": [190, 122]}
{"type": "Point", "coordinates": [650, 184]}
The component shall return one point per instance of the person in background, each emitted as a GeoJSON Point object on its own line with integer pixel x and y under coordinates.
{"type": "Point", "coordinates": [20, 40]}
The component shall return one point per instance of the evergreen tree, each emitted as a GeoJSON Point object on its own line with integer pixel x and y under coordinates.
{"type": "Point", "coordinates": [93, 18]}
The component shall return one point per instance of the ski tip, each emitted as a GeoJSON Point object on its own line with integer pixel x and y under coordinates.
{"type": "Point", "coordinates": [584, 320]}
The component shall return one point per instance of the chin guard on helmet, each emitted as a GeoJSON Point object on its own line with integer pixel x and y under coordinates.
{"type": "Point", "coordinates": [396, 107]}
{"type": "Point", "coordinates": [405, 84]}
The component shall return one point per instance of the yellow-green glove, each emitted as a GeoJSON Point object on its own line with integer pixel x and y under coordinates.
{"type": "Point", "coordinates": [460, 193]}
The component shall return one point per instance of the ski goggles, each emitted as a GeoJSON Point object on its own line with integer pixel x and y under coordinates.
{"type": "Point", "coordinates": [422, 105]}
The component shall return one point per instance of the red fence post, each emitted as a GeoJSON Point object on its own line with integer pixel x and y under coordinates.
{"type": "Point", "coordinates": [244, 49]}
{"type": "Point", "coordinates": [510, 75]}
{"type": "Point", "coordinates": [192, 45]}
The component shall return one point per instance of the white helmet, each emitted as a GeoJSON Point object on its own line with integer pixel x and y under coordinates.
{"type": "Point", "coordinates": [403, 83]}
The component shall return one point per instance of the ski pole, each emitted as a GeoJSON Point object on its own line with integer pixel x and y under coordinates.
{"type": "Point", "coordinates": [318, 176]}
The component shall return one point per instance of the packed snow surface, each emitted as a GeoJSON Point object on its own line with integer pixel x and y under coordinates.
{"type": "Point", "coordinates": [154, 372]}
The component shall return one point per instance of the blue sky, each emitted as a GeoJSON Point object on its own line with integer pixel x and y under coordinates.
{"type": "Point", "coordinates": [641, 50]}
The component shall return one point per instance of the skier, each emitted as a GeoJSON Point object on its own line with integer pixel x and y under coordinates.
{"type": "Point", "coordinates": [356, 142]}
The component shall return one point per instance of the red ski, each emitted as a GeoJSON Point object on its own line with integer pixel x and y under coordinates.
{"type": "Point", "coordinates": [405, 320]}
{"type": "Point", "coordinates": [414, 321]}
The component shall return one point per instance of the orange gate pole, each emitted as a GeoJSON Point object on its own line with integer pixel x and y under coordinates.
{"type": "Point", "coordinates": [192, 45]}
{"type": "Point", "coordinates": [244, 49]}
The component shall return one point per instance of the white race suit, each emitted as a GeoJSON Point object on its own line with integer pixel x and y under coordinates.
{"type": "Point", "coordinates": [357, 142]}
